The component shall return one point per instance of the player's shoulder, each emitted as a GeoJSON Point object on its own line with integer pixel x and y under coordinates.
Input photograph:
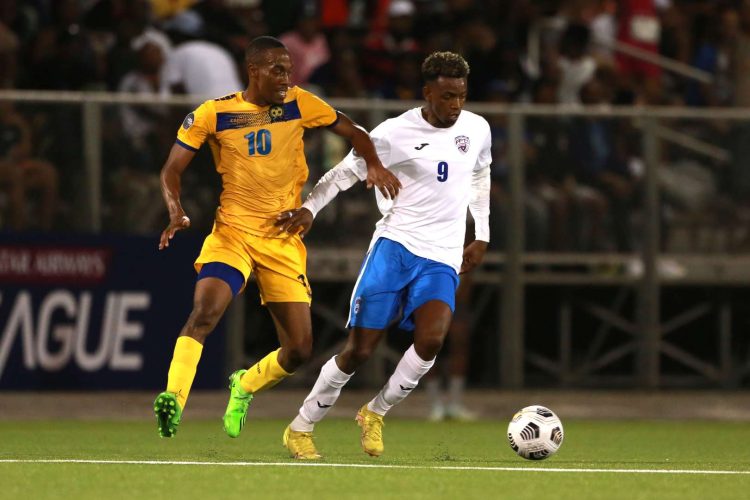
{"type": "Point", "coordinates": [397, 123]}
{"type": "Point", "coordinates": [224, 102]}
{"type": "Point", "coordinates": [295, 93]}
{"type": "Point", "coordinates": [474, 120]}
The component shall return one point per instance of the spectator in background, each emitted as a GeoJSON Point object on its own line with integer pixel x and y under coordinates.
{"type": "Point", "coordinates": [597, 147]}
{"type": "Point", "coordinates": [133, 22]}
{"type": "Point", "coordinates": [140, 143]}
{"type": "Point", "coordinates": [30, 184]}
{"type": "Point", "coordinates": [576, 212]}
{"type": "Point", "coordinates": [63, 57]}
{"type": "Point", "coordinates": [196, 66]}
{"type": "Point", "coordinates": [407, 84]}
{"type": "Point", "coordinates": [224, 27]}
{"type": "Point", "coordinates": [165, 9]}
{"type": "Point", "coordinates": [307, 45]}
{"type": "Point", "coordinates": [9, 47]}
{"type": "Point", "coordinates": [576, 65]}
{"type": "Point", "coordinates": [603, 27]}
{"type": "Point", "coordinates": [382, 49]}
{"type": "Point", "coordinates": [639, 27]}
{"type": "Point", "coordinates": [713, 37]}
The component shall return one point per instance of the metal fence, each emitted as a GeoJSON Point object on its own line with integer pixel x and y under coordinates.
{"type": "Point", "coordinates": [687, 222]}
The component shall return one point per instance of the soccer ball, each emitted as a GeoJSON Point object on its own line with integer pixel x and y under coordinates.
{"type": "Point", "coordinates": [535, 432]}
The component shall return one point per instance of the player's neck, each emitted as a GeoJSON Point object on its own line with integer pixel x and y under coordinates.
{"type": "Point", "coordinates": [248, 95]}
{"type": "Point", "coordinates": [433, 120]}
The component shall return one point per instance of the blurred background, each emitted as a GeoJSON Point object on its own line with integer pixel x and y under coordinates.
{"type": "Point", "coordinates": [620, 252]}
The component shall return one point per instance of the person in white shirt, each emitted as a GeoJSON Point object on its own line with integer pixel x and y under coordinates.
{"type": "Point", "coordinates": [441, 156]}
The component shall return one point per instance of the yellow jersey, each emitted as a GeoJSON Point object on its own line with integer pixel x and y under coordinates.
{"type": "Point", "coordinates": [259, 153]}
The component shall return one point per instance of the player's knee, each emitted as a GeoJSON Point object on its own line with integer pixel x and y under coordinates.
{"type": "Point", "coordinates": [429, 347]}
{"type": "Point", "coordinates": [202, 321]}
{"type": "Point", "coordinates": [360, 354]}
{"type": "Point", "coordinates": [297, 352]}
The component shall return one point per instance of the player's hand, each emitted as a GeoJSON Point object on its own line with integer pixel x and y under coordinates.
{"type": "Point", "coordinates": [297, 221]}
{"type": "Point", "coordinates": [473, 255]}
{"type": "Point", "coordinates": [384, 179]}
{"type": "Point", "coordinates": [175, 224]}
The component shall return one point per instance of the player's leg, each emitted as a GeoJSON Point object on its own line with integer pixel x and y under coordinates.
{"type": "Point", "coordinates": [334, 374]}
{"type": "Point", "coordinates": [375, 302]}
{"type": "Point", "coordinates": [210, 300]}
{"type": "Point", "coordinates": [223, 268]}
{"type": "Point", "coordinates": [429, 305]}
{"type": "Point", "coordinates": [280, 274]}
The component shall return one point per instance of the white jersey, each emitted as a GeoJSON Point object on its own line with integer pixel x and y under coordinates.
{"type": "Point", "coordinates": [442, 170]}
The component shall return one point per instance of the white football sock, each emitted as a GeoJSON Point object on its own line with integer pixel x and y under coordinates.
{"type": "Point", "coordinates": [323, 396]}
{"type": "Point", "coordinates": [410, 369]}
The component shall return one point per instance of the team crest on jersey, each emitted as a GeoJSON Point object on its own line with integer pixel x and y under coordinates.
{"type": "Point", "coordinates": [276, 113]}
{"type": "Point", "coordinates": [188, 121]}
{"type": "Point", "coordinates": [462, 143]}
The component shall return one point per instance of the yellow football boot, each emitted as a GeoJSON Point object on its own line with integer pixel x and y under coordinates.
{"type": "Point", "coordinates": [372, 431]}
{"type": "Point", "coordinates": [300, 444]}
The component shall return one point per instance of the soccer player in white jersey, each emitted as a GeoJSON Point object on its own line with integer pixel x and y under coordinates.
{"type": "Point", "coordinates": [441, 155]}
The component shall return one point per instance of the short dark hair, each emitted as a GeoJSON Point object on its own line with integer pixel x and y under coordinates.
{"type": "Point", "coordinates": [259, 44]}
{"type": "Point", "coordinates": [448, 64]}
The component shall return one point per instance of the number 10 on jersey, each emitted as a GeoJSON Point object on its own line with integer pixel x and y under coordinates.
{"type": "Point", "coordinates": [442, 171]}
{"type": "Point", "coordinates": [259, 142]}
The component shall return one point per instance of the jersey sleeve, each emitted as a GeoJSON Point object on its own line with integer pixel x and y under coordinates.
{"type": "Point", "coordinates": [485, 154]}
{"type": "Point", "coordinates": [479, 201]}
{"type": "Point", "coordinates": [197, 126]}
{"type": "Point", "coordinates": [380, 138]}
{"type": "Point", "coordinates": [314, 111]}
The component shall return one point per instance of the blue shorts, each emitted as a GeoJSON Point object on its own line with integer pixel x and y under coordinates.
{"type": "Point", "coordinates": [394, 282]}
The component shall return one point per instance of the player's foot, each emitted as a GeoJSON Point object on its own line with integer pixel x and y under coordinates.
{"type": "Point", "coordinates": [300, 444]}
{"type": "Point", "coordinates": [168, 414]}
{"type": "Point", "coordinates": [437, 413]}
{"type": "Point", "coordinates": [460, 412]}
{"type": "Point", "coordinates": [372, 431]}
{"type": "Point", "coordinates": [239, 400]}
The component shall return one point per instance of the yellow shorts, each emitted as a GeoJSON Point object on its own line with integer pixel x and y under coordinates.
{"type": "Point", "coordinates": [279, 264]}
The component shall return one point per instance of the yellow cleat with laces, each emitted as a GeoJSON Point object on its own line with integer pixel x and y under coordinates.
{"type": "Point", "coordinates": [372, 431]}
{"type": "Point", "coordinates": [300, 444]}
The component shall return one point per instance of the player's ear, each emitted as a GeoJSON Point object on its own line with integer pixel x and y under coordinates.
{"type": "Point", "coordinates": [426, 92]}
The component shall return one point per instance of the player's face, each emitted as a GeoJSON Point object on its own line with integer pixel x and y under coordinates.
{"type": "Point", "coordinates": [272, 74]}
{"type": "Point", "coordinates": [445, 99]}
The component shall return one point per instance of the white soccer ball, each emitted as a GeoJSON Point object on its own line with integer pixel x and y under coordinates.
{"type": "Point", "coordinates": [535, 432]}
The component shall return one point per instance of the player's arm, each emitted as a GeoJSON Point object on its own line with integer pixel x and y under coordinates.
{"type": "Point", "coordinates": [377, 174]}
{"type": "Point", "coordinates": [171, 184]}
{"type": "Point", "coordinates": [339, 178]}
{"type": "Point", "coordinates": [479, 206]}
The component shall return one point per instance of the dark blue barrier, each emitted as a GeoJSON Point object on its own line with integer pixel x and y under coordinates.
{"type": "Point", "coordinates": [97, 312]}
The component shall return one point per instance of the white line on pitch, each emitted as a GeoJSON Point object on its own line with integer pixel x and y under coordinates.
{"type": "Point", "coordinates": [375, 466]}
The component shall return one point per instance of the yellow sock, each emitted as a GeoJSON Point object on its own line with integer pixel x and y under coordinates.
{"type": "Point", "coordinates": [264, 374]}
{"type": "Point", "coordinates": [187, 353]}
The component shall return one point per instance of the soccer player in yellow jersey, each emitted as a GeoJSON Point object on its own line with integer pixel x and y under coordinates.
{"type": "Point", "coordinates": [256, 140]}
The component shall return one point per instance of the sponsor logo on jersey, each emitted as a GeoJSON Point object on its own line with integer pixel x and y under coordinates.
{"type": "Point", "coordinates": [462, 143]}
{"type": "Point", "coordinates": [188, 121]}
{"type": "Point", "coordinates": [357, 304]}
{"type": "Point", "coordinates": [419, 148]}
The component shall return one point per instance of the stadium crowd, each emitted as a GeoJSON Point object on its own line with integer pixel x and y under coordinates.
{"type": "Point", "coordinates": [583, 175]}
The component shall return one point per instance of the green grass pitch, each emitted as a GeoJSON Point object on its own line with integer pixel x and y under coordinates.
{"type": "Point", "coordinates": [421, 460]}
